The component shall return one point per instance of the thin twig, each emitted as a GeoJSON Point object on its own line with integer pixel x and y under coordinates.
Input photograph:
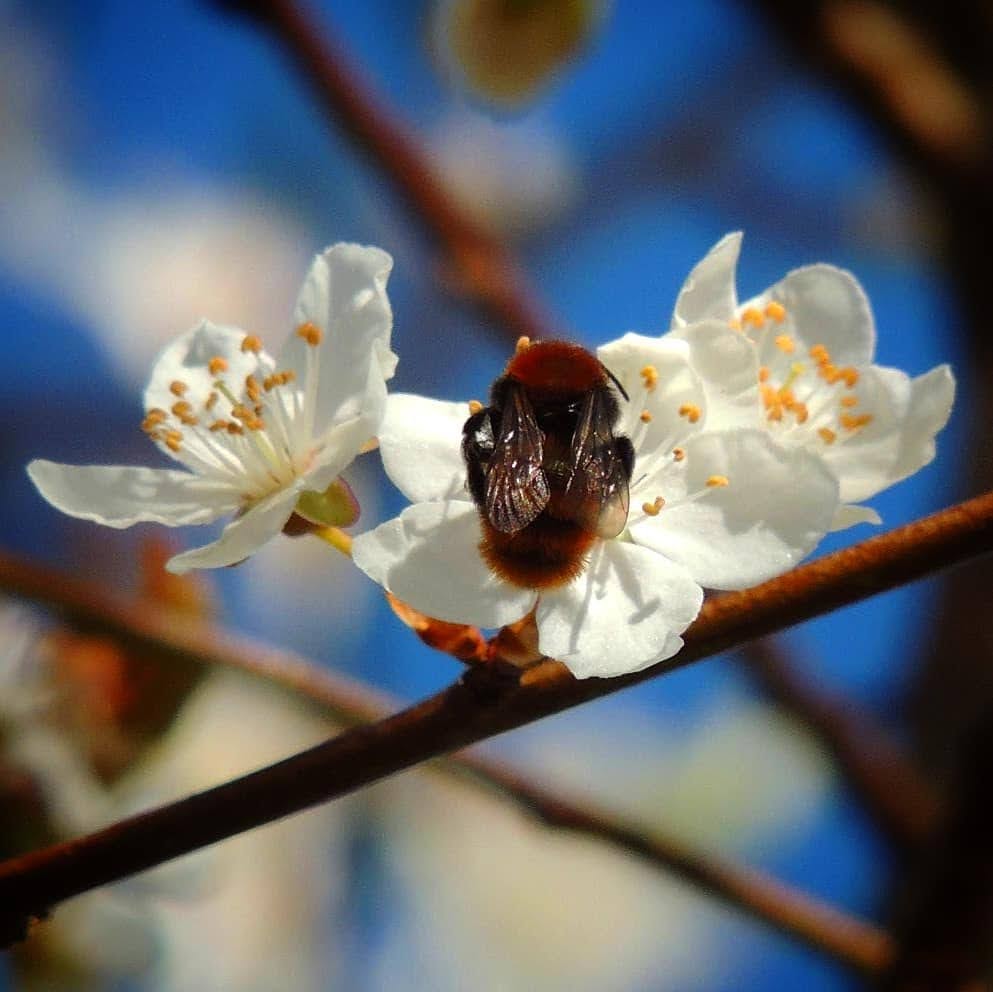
{"type": "Point", "coordinates": [795, 914]}
{"type": "Point", "coordinates": [887, 784]}
{"type": "Point", "coordinates": [475, 708]}
{"type": "Point", "coordinates": [477, 264]}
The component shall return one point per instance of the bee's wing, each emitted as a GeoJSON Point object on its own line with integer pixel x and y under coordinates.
{"type": "Point", "coordinates": [516, 485]}
{"type": "Point", "coordinates": [596, 494]}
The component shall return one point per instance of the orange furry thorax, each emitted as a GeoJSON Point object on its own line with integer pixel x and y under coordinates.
{"type": "Point", "coordinates": [555, 368]}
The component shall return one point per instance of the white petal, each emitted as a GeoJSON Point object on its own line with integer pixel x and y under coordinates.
{"type": "Point", "coordinates": [931, 398]}
{"type": "Point", "coordinates": [709, 292]}
{"type": "Point", "coordinates": [678, 385]}
{"type": "Point", "coordinates": [727, 364]}
{"type": "Point", "coordinates": [864, 460]}
{"type": "Point", "coordinates": [624, 613]}
{"type": "Point", "coordinates": [344, 295]}
{"type": "Point", "coordinates": [123, 495]}
{"type": "Point", "coordinates": [778, 505]}
{"type": "Point", "coordinates": [429, 558]}
{"type": "Point", "coordinates": [186, 360]}
{"type": "Point", "coordinates": [420, 440]}
{"type": "Point", "coordinates": [850, 515]}
{"type": "Point", "coordinates": [824, 305]}
{"type": "Point", "coordinates": [243, 536]}
{"type": "Point", "coordinates": [340, 447]}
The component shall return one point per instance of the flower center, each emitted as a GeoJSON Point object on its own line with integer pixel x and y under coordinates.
{"type": "Point", "coordinates": [247, 434]}
{"type": "Point", "coordinates": [811, 400]}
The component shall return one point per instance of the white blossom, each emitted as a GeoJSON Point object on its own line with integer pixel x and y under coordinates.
{"type": "Point", "coordinates": [720, 509]}
{"type": "Point", "coordinates": [256, 437]}
{"type": "Point", "coordinates": [797, 361]}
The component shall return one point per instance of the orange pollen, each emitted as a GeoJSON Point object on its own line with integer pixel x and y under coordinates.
{"type": "Point", "coordinates": [523, 343]}
{"type": "Point", "coordinates": [850, 375]}
{"type": "Point", "coordinates": [233, 428]}
{"type": "Point", "coordinates": [764, 374]}
{"type": "Point", "coordinates": [785, 344]}
{"type": "Point", "coordinates": [211, 401]}
{"type": "Point", "coordinates": [153, 418]}
{"type": "Point", "coordinates": [775, 311]}
{"type": "Point", "coordinates": [853, 423]}
{"type": "Point", "coordinates": [654, 508]}
{"type": "Point", "coordinates": [690, 411]}
{"type": "Point", "coordinates": [828, 436]}
{"type": "Point", "coordinates": [284, 377]}
{"type": "Point", "coordinates": [718, 481]}
{"type": "Point", "coordinates": [828, 372]}
{"type": "Point", "coordinates": [181, 409]}
{"type": "Point", "coordinates": [252, 388]}
{"type": "Point", "coordinates": [177, 388]}
{"type": "Point", "coordinates": [172, 444]}
{"type": "Point", "coordinates": [753, 316]}
{"type": "Point", "coordinates": [311, 333]}
{"type": "Point", "coordinates": [849, 401]}
{"type": "Point", "coordinates": [678, 454]}
{"type": "Point", "coordinates": [650, 376]}
{"type": "Point", "coordinates": [242, 413]}
{"type": "Point", "coordinates": [217, 365]}
{"type": "Point", "coordinates": [475, 406]}
{"type": "Point", "coordinates": [820, 354]}
{"type": "Point", "coordinates": [251, 342]}
{"type": "Point", "coordinates": [645, 417]}
{"type": "Point", "coordinates": [219, 425]}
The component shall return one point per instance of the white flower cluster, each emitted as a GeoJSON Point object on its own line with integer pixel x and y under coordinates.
{"type": "Point", "coordinates": [756, 429]}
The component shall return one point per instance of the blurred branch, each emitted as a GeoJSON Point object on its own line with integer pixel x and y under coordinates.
{"type": "Point", "coordinates": [848, 940]}
{"type": "Point", "coordinates": [477, 264]}
{"type": "Point", "coordinates": [480, 705]}
{"type": "Point", "coordinates": [890, 788]}
{"type": "Point", "coordinates": [947, 929]}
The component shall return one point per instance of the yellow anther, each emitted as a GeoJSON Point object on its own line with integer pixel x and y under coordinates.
{"type": "Point", "coordinates": [181, 409]}
{"type": "Point", "coordinates": [850, 375]}
{"type": "Point", "coordinates": [242, 413]}
{"type": "Point", "coordinates": [475, 406]}
{"type": "Point", "coordinates": [233, 428]}
{"type": "Point", "coordinates": [654, 508]}
{"type": "Point", "coordinates": [523, 343]}
{"type": "Point", "coordinates": [311, 333]}
{"type": "Point", "coordinates": [252, 388]}
{"type": "Point", "coordinates": [690, 411]}
{"type": "Point", "coordinates": [217, 365]}
{"type": "Point", "coordinates": [734, 324]}
{"type": "Point", "coordinates": [211, 401]}
{"type": "Point", "coordinates": [775, 311]}
{"type": "Point", "coordinates": [177, 388]}
{"type": "Point", "coordinates": [645, 417]}
{"type": "Point", "coordinates": [251, 342]}
{"type": "Point", "coordinates": [173, 444]}
{"type": "Point", "coordinates": [650, 376]}
{"type": "Point", "coordinates": [785, 344]}
{"type": "Point", "coordinates": [853, 423]}
{"type": "Point", "coordinates": [820, 354]}
{"type": "Point", "coordinates": [849, 401]}
{"type": "Point", "coordinates": [764, 373]}
{"type": "Point", "coordinates": [829, 372]}
{"type": "Point", "coordinates": [219, 425]}
{"type": "Point", "coordinates": [153, 418]}
{"type": "Point", "coordinates": [753, 316]}
{"type": "Point", "coordinates": [718, 481]}
{"type": "Point", "coordinates": [284, 377]}
{"type": "Point", "coordinates": [678, 454]}
{"type": "Point", "coordinates": [828, 436]}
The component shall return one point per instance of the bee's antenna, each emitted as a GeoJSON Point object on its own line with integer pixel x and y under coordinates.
{"type": "Point", "coordinates": [613, 379]}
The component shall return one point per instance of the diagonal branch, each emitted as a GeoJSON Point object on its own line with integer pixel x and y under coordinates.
{"type": "Point", "coordinates": [475, 708]}
{"type": "Point", "coordinates": [888, 785]}
{"type": "Point", "coordinates": [478, 264]}
{"type": "Point", "coordinates": [795, 914]}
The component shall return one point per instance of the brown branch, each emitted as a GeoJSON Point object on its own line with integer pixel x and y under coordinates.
{"type": "Point", "coordinates": [846, 939]}
{"type": "Point", "coordinates": [887, 784]}
{"type": "Point", "coordinates": [819, 926]}
{"type": "Point", "coordinates": [475, 708]}
{"type": "Point", "coordinates": [478, 265]}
